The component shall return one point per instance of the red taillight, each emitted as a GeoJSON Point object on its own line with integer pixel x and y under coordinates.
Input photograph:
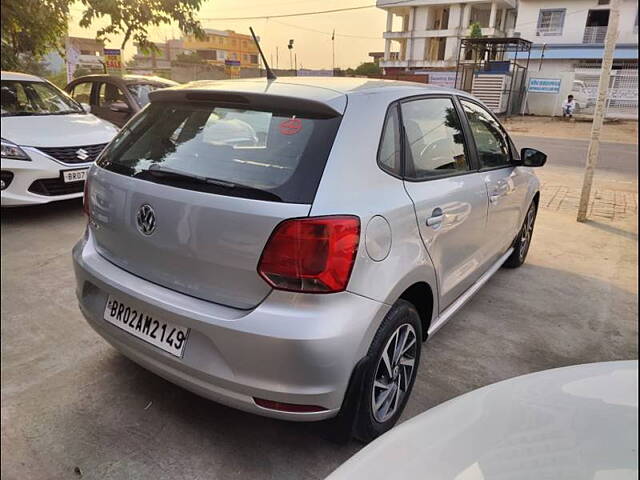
{"type": "Point", "coordinates": [288, 407]}
{"type": "Point", "coordinates": [313, 255]}
{"type": "Point", "coordinates": [85, 198]}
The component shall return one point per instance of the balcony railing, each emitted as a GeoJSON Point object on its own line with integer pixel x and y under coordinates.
{"type": "Point", "coordinates": [594, 34]}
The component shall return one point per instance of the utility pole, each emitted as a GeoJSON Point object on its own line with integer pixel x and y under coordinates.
{"type": "Point", "coordinates": [333, 51]}
{"type": "Point", "coordinates": [277, 58]}
{"type": "Point", "coordinates": [295, 59]}
{"type": "Point", "coordinates": [599, 111]}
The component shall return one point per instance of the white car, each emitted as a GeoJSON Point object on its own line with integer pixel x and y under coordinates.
{"type": "Point", "coordinates": [48, 141]}
{"type": "Point", "coordinates": [572, 423]}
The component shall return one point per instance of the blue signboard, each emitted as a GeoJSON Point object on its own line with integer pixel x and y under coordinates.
{"type": "Point", "coordinates": [544, 85]}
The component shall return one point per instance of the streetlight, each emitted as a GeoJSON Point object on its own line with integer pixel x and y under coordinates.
{"type": "Point", "coordinates": [290, 47]}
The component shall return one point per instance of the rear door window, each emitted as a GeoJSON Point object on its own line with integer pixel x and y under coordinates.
{"type": "Point", "coordinates": [230, 151]}
{"type": "Point", "coordinates": [434, 140]}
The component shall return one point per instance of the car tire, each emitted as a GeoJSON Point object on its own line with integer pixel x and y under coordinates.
{"type": "Point", "coordinates": [388, 380]}
{"type": "Point", "coordinates": [523, 240]}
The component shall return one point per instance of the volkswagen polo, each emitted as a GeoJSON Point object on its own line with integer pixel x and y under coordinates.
{"type": "Point", "coordinates": [284, 247]}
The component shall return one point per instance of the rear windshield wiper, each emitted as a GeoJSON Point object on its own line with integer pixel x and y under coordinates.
{"type": "Point", "coordinates": [158, 170]}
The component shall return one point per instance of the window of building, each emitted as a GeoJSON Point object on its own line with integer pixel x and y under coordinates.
{"type": "Point", "coordinates": [603, 2]}
{"type": "Point", "coordinates": [433, 138]}
{"type": "Point", "coordinates": [551, 22]}
{"type": "Point", "coordinates": [253, 58]}
{"type": "Point", "coordinates": [207, 54]}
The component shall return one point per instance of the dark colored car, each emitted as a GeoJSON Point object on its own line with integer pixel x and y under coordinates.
{"type": "Point", "coordinates": [114, 98]}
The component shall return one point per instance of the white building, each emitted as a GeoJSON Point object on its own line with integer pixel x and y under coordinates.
{"type": "Point", "coordinates": [425, 34]}
{"type": "Point", "coordinates": [568, 38]}
{"type": "Point", "coordinates": [573, 30]}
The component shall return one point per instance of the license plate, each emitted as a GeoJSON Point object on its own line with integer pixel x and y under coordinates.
{"type": "Point", "coordinates": [74, 175]}
{"type": "Point", "coordinates": [164, 335]}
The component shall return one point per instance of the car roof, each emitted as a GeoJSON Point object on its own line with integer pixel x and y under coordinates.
{"type": "Point", "coordinates": [315, 85]}
{"type": "Point", "coordinates": [20, 76]}
{"type": "Point", "coordinates": [330, 91]}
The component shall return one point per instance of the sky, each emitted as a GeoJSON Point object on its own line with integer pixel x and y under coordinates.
{"type": "Point", "coordinates": [358, 32]}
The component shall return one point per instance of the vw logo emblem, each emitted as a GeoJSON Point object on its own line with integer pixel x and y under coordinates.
{"type": "Point", "coordinates": [146, 220]}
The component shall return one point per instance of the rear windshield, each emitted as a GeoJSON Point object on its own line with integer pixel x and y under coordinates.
{"type": "Point", "coordinates": [248, 153]}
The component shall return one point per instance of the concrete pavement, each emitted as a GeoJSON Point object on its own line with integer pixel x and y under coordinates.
{"type": "Point", "coordinates": [72, 406]}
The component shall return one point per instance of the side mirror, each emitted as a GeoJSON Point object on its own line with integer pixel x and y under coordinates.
{"type": "Point", "coordinates": [86, 107]}
{"type": "Point", "coordinates": [119, 107]}
{"type": "Point", "coordinates": [530, 157]}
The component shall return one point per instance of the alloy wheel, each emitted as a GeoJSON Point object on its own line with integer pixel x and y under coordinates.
{"type": "Point", "coordinates": [527, 232]}
{"type": "Point", "coordinates": [394, 372]}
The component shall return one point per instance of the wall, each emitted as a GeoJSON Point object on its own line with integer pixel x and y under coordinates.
{"type": "Point", "coordinates": [575, 20]}
{"type": "Point", "coordinates": [548, 103]}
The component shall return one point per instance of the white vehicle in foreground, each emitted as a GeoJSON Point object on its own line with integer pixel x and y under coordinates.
{"type": "Point", "coordinates": [572, 423]}
{"type": "Point", "coordinates": [48, 141]}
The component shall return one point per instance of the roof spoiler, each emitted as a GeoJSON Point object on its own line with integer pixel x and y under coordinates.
{"type": "Point", "coordinates": [246, 100]}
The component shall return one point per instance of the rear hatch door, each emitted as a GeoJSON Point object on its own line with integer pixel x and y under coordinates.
{"type": "Point", "coordinates": [189, 192]}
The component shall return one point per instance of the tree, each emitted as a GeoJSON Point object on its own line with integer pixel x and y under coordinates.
{"type": "Point", "coordinates": [476, 30]}
{"type": "Point", "coordinates": [31, 28]}
{"type": "Point", "coordinates": [131, 18]}
{"type": "Point", "coordinates": [368, 68]}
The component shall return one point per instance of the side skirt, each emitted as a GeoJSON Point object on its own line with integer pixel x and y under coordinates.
{"type": "Point", "coordinates": [466, 296]}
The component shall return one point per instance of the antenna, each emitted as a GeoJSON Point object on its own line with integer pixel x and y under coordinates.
{"type": "Point", "coordinates": [270, 74]}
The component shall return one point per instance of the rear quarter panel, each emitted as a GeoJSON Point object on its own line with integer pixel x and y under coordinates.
{"type": "Point", "coordinates": [353, 183]}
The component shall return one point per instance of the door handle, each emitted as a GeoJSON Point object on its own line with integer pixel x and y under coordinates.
{"type": "Point", "coordinates": [494, 198]}
{"type": "Point", "coordinates": [436, 218]}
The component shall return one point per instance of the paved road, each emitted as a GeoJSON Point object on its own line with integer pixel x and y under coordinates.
{"type": "Point", "coordinates": [71, 401]}
{"type": "Point", "coordinates": [614, 157]}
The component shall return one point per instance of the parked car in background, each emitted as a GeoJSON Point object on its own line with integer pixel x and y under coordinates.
{"type": "Point", "coordinates": [48, 141]}
{"type": "Point", "coordinates": [572, 423]}
{"type": "Point", "coordinates": [284, 247]}
{"type": "Point", "coordinates": [115, 98]}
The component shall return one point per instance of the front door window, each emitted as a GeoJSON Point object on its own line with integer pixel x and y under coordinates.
{"type": "Point", "coordinates": [491, 141]}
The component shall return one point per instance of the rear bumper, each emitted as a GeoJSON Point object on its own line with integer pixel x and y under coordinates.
{"type": "Point", "coordinates": [292, 348]}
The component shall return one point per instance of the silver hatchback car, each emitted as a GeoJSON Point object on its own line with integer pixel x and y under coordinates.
{"type": "Point", "coordinates": [284, 247]}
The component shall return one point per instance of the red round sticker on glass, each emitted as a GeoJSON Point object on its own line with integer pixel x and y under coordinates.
{"type": "Point", "coordinates": [291, 126]}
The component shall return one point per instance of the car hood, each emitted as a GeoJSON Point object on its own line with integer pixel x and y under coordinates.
{"type": "Point", "coordinates": [572, 423]}
{"type": "Point", "coordinates": [57, 130]}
